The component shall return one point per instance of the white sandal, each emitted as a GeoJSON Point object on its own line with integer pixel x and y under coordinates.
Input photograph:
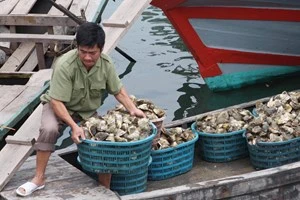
{"type": "Point", "coordinates": [29, 188]}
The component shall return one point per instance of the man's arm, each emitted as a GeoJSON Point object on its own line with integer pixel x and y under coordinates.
{"type": "Point", "coordinates": [61, 112]}
{"type": "Point", "coordinates": [124, 99]}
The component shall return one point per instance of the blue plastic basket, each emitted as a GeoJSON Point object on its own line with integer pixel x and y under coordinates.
{"type": "Point", "coordinates": [130, 183]}
{"type": "Point", "coordinates": [222, 147]}
{"type": "Point", "coordinates": [116, 157]}
{"type": "Point", "coordinates": [125, 184]}
{"type": "Point", "coordinates": [265, 155]}
{"type": "Point", "coordinates": [172, 161]}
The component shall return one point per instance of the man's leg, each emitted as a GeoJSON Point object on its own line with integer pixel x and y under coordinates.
{"type": "Point", "coordinates": [42, 158]}
{"type": "Point", "coordinates": [104, 179]}
{"type": "Point", "coordinates": [45, 145]}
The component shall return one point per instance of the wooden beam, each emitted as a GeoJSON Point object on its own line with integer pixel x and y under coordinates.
{"type": "Point", "coordinates": [127, 12]}
{"type": "Point", "coordinates": [36, 20]}
{"type": "Point", "coordinates": [119, 24]}
{"type": "Point", "coordinates": [40, 55]}
{"type": "Point", "coordinates": [7, 7]}
{"type": "Point", "coordinates": [37, 38]}
{"type": "Point", "coordinates": [21, 141]}
{"type": "Point", "coordinates": [23, 6]}
{"type": "Point", "coordinates": [16, 74]}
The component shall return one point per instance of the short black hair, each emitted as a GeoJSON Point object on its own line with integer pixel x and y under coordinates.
{"type": "Point", "coordinates": [90, 34]}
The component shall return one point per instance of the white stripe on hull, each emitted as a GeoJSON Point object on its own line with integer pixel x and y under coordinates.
{"type": "Point", "coordinates": [249, 35]}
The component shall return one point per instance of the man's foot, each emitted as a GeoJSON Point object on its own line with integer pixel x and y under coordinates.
{"type": "Point", "coordinates": [28, 188]}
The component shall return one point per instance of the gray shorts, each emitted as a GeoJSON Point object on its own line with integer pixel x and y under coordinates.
{"type": "Point", "coordinates": [51, 129]}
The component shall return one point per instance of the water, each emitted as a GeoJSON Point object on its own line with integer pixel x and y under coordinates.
{"type": "Point", "coordinates": [166, 72]}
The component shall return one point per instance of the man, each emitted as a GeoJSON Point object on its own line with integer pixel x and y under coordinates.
{"type": "Point", "coordinates": [78, 80]}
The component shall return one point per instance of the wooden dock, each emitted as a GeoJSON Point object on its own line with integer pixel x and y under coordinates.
{"type": "Point", "coordinates": [27, 55]}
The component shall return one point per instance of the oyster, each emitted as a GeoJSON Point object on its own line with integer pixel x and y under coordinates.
{"type": "Point", "coordinates": [172, 137]}
{"type": "Point", "coordinates": [278, 119]}
{"type": "Point", "coordinates": [225, 121]}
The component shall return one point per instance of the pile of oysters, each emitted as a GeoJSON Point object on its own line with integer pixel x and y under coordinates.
{"type": "Point", "coordinates": [172, 137]}
{"type": "Point", "coordinates": [277, 120]}
{"type": "Point", "coordinates": [119, 126]}
{"type": "Point", "coordinates": [151, 111]}
{"type": "Point", "coordinates": [224, 121]}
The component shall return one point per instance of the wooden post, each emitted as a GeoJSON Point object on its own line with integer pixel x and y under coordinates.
{"type": "Point", "coordinates": [13, 45]}
{"type": "Point", "coordinates": [40, 55]}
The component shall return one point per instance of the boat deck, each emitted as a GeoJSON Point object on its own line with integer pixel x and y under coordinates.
{"type": "Point", "coordinates": [63, 182]}
{"type": "Point", "coordinates": [206, 180]}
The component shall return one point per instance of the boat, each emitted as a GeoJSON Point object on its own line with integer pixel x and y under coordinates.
{"type": "Point", "coordinates": [238, 43]}
{"type": "Point", "coordinates": [236, 179]}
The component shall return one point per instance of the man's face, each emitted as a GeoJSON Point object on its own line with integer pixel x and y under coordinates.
{"type": "Point", "coordinates": [89, 55]}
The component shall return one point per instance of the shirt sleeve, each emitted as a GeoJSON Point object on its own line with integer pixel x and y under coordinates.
{"type": "Point", "coordinates": [113, 84]}
{"type": "Point", "coordinates": [61, 85]}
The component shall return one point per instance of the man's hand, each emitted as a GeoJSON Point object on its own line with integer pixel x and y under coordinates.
{"type": "Point", "coordinates": [137, 112]}
{"type": "Point", "coordinates": [77, 134]}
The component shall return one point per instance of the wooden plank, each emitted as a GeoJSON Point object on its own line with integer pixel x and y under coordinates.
{"type": "Point", "coordinates": [20, 152]}
{"type": "Point", "coordinates": [8, 165]}
{"type": "Point", "coordinates": [8, 94]}
{"type": "Point", "coordinates": [38, 38]}
{"type": "Point", "coordinates": [128, 11]}
{"type": "Point", "coordinates": [23, 7]}
{"type": "Point", "coordinates": [36, 20]}
{"type": "Point", "coordinates": [26, 101]}
{"type": "Point", "coordinates": [21, 141]}
{"type": "Point", "coordinates": [14, 62]}
{"type": "Point", "coordinates": [7, 6]}
{"type": "Point", "coordinates": [16, 74]}
{"type": "Point", "coordinates": [64, 181]}
{"type": "Point", "coordinates": [77, 5]}
{"type": "Point", "coordinates": [118, 24]}
{"type": "Point", "coordinates": [39, 78]}
{"type": "Point", "coordinates": [32, 61]}
{"type": "Point", "coordinates": [93, 10]}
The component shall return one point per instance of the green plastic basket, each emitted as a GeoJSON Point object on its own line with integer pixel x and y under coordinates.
{"type": "Point", "coordinates": [116, 157]}
{"type": "Point", "coordinates": [222, 147]}
{"type": "Point", "coordinates": [264, 155]}
{"type": "Point", "coordinates": [172, 161]}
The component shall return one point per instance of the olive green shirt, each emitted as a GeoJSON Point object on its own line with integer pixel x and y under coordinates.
{"type": "Point", "coordinates": [81, 91]}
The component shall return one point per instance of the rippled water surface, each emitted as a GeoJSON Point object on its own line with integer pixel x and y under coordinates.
{"type": "Point", "coordinates": [166, 73]}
